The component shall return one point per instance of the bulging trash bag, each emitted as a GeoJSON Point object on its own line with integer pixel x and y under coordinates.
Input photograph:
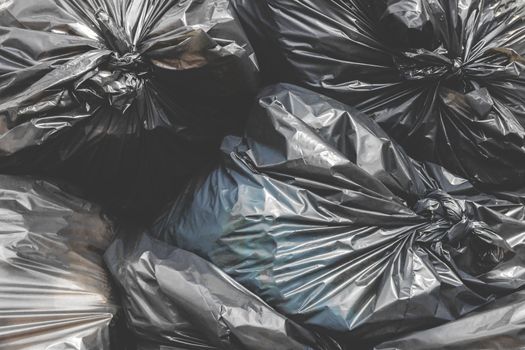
{"type": "Point", "coordinates": [174, 299]}
{"type": "Point", "coordinates": [125, 98]}
{"type": "Point", "coordinates": [54, 291]}
{"type": "Point", "coordinates": [443, 78]}
{"type": "Point", "coordinates": [498, 326]}
{"type": "Point", "coordinates": [325, 218]}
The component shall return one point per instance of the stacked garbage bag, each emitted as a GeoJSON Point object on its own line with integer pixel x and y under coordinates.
{"type": "Point", "coordinates": [444, 78]}
{"type": "Point", "coordinates": [353, 180]}
{"type": "Point", "coordinates": [123, 98]}
{"type": "Point", "coordinates": [55, 293]}
{"type": "Point", "coordinates": [320, 214]}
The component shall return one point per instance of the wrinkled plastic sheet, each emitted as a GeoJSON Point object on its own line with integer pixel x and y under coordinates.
{"type": "Point", "coordinates": [55, 293]}
{"type": "Point", "coordinates": [126, 99]}
{"type": "Point", "coordinates": [443, 78]}
{"type": "Point", "coordinates": [320, 214]}
{"type": "Point", "coordinates": [174, 299]}
{"type": "Point", "coordinates": [499, 326]}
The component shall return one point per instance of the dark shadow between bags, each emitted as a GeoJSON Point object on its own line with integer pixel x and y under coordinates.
{"type": "Point", "coordinates": [127, 99]}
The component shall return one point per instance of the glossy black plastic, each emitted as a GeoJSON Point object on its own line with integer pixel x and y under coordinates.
{"type": "Point", "coordinates": [173, 299]}
{"type": "Point", "coordinates": [125, 98]}
{"type": "Point", "coordinates": [445, 78]}
{"type": "Point", "coordinates": [55, 293]}
{"type": "Point", "coordinates": [328, 220]}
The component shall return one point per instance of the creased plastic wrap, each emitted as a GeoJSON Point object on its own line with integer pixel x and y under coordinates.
{"type": "Point", "coordinates": [325, 218]}
{"type": "Point", "coordinates": [499, 326]}
{"type": "Point", "coordinates": [174, 299]}
{"type": "Point", "coordinates": [125, 98]}
{"type": "Point", "coordinates": [55, 293]}
{"type": "Point", "coordinates": [443, 78]}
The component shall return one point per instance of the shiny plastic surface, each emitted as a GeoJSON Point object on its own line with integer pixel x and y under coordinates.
{"type": "Point", "coordinates": [175, 300]}
{"type": "Point", "coordinates": [325, 218]}
{"type": "Point", "coordinates": [498, 326]}
{"type": "Point", "coordinates": [55, 293]}
{"type": "Point", "coordinates": [445, 78]}
{"type": "Point", "coordinates": [125, 98]}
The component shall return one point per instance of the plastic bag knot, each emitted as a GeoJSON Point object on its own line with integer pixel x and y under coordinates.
{"type": "Point", "coordinates": [439, 205]}
{"type": "Point", "coordinates": [419, 64]}
{"type": "Point", "coordinates": [453, 229]}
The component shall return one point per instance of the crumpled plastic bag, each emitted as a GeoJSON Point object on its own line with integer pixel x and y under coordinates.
{"type": "Point", "coordinates": [443, 78]}
{"type": "Point", "coordinates": [174, 299]}
{"type": "Point", "coordinates": [55, 293]}
{"type": "Point", "coordinates": [325, 218]}
{"type": "Point", "coordinates": [125, 98]}
{"type": "Point", "coordinates": [498, 326]}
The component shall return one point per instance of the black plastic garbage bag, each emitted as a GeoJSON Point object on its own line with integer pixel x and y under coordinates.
{"type": "Point", "coordinates": [174, 299]}
{"type": "Point", "coordinates": [303, 212]}
{"type": "Point", "coordinates": [54, 291]}
{"type": "Point", "coordinates": [125, 98]}
{"type": "Point", "coordinates": [445, 78]}
{"type": "Point", "coordinates": [510, 203]}
{"type": "Point", "coordinates": [498, 326]}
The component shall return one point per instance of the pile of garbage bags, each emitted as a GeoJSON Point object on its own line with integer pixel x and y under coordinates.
{"type": "Point", "coordinates": [303, 212]}
{"type": "Point", "coordinates": [126, 99]}
{"type": "Point", "coordinates": [446, 79]}
{"type": "Point", "coordinates": [270, 174]}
